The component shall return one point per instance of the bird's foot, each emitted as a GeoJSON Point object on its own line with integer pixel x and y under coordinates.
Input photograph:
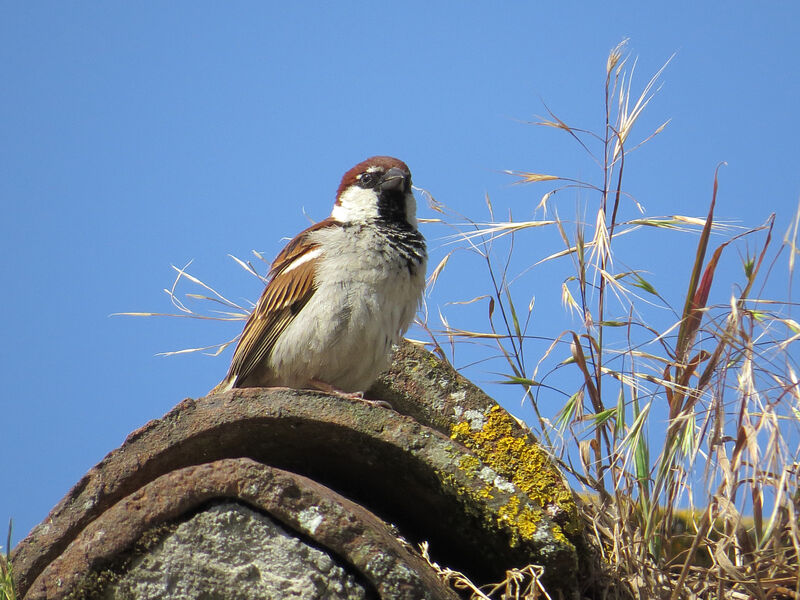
{"type": "Point", "coordinates": [381, 403]}
{"type": "Point", "coordinates": [326, 387]}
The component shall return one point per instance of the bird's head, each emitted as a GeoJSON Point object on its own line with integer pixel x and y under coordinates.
{"type": "Point", "coordinates": [377, 189]}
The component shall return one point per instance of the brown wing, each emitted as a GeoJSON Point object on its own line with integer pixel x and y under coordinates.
{"type": "Point", "coordinates": [290, 287]}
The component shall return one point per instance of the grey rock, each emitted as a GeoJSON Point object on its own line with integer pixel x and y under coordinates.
{"type": "Point", "coordinates": [231, 552]}
{"type": "Point", "coordinates": [137, 524]}
{"type": "Point", "coordinates": [450, 467]}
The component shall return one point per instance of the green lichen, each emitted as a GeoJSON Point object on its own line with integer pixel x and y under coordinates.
{"type": "Point", "coordinates": [450, 483]}
{"type": "Point", "coordinates": [432, 360]}
{"type": "Point", "coordinates": [500, 445]}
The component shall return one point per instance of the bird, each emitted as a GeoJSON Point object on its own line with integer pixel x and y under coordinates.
{"type": "Point", "coordinates": [341, 293]}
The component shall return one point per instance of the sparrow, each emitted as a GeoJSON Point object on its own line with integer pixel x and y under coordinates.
{"type": "Point", "coordinates": [341, 292]}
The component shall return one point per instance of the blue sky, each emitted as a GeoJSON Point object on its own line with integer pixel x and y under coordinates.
{"type": "Point", "coordinates": [135, 136]}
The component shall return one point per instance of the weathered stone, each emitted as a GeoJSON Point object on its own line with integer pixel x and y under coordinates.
{"type": "Point", "coordinates": [429, 389]}
{"type": "Point", "coordinates": [231, 552]}
{"type": "Point", "coordinates": [105, 550]}
{"type": "Point", "coordinates": [425, 387]}
{"type": "Point", "coordinates": [471, 480]}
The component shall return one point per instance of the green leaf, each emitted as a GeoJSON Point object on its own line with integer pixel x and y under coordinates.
{"type": "Point", "coordinates": [643, 284]}
{"type": "Point", "coordinates": [565, 416]}
{"type": "Point", "coordinates": [749, 266]}
{"type": "Point", "coordinates": [513, 310]}
{"type": "Point", "coordinates": [603, 416]}
{"type": "Point", "coordinates": [514, 380]}
{"type": "Point", "coordinates": [620, 430]}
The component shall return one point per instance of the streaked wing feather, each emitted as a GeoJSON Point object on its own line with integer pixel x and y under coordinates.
{"type": "Point", "coordinates": [284, 296]}
{"type": "Point", "coordinates": [288, 291]}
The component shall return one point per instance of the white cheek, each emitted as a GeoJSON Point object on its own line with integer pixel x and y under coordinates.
{"type": "Point", "coordinates": [356, 204]}
{"type": "Point", "coordinates": [411, 210]}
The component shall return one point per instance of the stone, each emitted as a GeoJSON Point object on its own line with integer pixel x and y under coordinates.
{"type": "Point", "coordinates": [133, 531]}
{"type": "Point", "coordinates": [448, 466]}
{"type": "Point", "coordinates": [430, 390]}
{"type": "Point", "coordinates": [238, 553]}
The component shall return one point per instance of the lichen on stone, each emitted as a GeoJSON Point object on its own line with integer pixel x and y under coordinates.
{"type": "Point", "coordinates": [499, 444]}
{"type": "Point", "coordinates": [469, 464]}
{"type": "Point", "coordinates": [523, 520]}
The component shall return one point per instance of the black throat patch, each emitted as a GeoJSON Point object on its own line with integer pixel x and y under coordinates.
{"type": "Point", "coordinates": [392, 208]}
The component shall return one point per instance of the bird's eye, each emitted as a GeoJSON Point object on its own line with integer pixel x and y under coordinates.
{"type": "Point", "coordinates": [368, 179]}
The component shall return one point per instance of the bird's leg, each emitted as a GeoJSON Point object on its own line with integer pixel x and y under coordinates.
{"type": "Point", "coordinates": [328, 388]}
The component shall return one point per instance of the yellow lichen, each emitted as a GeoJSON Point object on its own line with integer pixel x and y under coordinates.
{"type": "Point", "coordinates": [487, 492]}
{"type": "Point", "coordinates": [501, 446]}
{"type": "Point", "coordinates": [527, 522]}
{"type": "Point", "coordinates": [469, 464]}
{"type": "Point", "coordinates": [523, 520]}
{"type": "Point", "coordinates": [509, 511]}
{"type": "Point", "coordinates": [460, 430]}
{"type": "Point", "coordinates": [449, 481]}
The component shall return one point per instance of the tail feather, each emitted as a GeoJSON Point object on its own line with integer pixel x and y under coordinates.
{"type": "Point", "coordinates": [225, 385]}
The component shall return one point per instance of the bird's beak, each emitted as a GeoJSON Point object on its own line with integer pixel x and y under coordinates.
{"type": "Point", "coordinates": [395, 179]}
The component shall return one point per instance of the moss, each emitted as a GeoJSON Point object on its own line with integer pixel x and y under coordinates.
{"type": "Point", "coordinates": [501, 446]}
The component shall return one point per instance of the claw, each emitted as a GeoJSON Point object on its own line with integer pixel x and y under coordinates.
{"type": "Point", "coordinates": [328, 388]}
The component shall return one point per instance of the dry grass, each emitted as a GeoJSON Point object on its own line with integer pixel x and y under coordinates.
{"type": "Point", "coordinates": [196, 305]}
{"type": "Point", "coordinates": [719, 379]}
{"type": "Point", "coordinates": [519, 584]}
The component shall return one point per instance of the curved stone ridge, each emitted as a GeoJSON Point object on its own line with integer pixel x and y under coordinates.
{"type": "Point", "coordinates": [348, 533]}
{"type": "Point", "coordinates": [231, 547]}
{"type": "Point", "coordinates": [428, 388]}
{"type": "Point", "coordinates": [449, 477]}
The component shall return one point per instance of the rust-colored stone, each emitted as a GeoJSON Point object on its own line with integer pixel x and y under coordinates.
{"type": "Point", "coordinates": [469, 503]}
{"type": "Point", "coordinates": [346, 529]}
